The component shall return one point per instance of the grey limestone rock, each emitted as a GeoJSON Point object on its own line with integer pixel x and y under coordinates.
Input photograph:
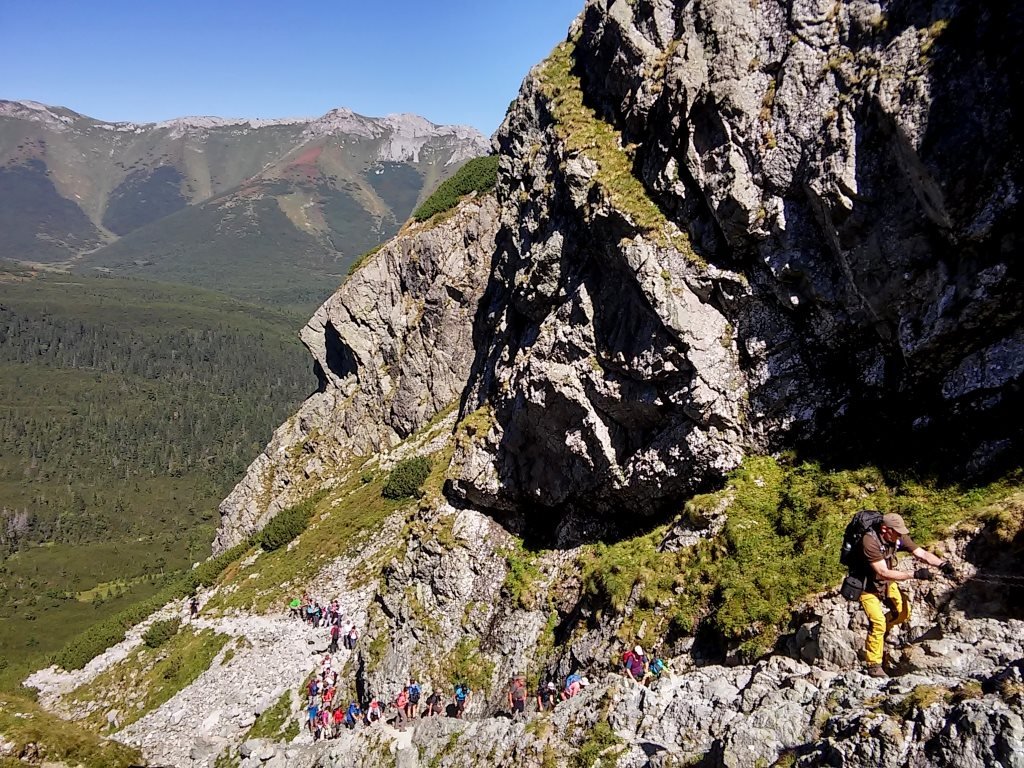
{"type": "Point", "coordinates": [391, 349]}
{"type": "Point", "coordinates": [835, 265]}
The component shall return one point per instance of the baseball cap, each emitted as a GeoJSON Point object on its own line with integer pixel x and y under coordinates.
{"type": "Point", "coordinates": [584, 682]}
{"type": "Point", "coordinates": [894, 521]}
{"type": "Point", "coordinates": [639, 651]}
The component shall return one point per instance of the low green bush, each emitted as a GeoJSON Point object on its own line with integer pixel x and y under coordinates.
{"type": "Point", "coordinates": [160, 632]}
{"type": "Point", "coordinates": [478, 175]}
{"type": "Point", "coordinates": [286, 525]}
{"type": "Point", "coordinates": [407, 478]}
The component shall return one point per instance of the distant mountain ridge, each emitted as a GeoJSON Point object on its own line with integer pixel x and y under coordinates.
{"type": "Point", "coordinates": [272, 210]}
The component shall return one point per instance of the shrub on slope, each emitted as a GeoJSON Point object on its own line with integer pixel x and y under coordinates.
{"type": "Point", "coordinates": [478, 175]}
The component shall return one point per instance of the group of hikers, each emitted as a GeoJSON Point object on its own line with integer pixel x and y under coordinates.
{"type": "Point", "coordinates": [870, 555]}
{"type": "Point", "coordinates": [328, 714]}
{"type": "Point", "coordinates": [329, 616]}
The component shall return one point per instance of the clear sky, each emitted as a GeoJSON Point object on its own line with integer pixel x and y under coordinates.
{"type": "Point", "coordinates": [452, 61]}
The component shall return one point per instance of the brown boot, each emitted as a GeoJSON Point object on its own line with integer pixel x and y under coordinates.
{"type": "Point", "coordinates": [875, 670]}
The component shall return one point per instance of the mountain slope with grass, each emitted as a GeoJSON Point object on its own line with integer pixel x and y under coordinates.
{"type": "Point", "coordinates": [272, 211]}
{"type": "Point", "coordinates": [740, 275]}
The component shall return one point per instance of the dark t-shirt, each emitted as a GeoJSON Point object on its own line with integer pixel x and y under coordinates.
{"type": "Point", "coordinates": [876, 549]}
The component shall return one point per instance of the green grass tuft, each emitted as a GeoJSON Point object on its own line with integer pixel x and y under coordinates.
{"type": "Point", "coordinates": [523, 577]}
{"type": "Point", "coordinates": [465, 664]}
{"type": "Point", "coordinates": [584, 132]}
{"type": "Point", "coordinates": [277, 722]}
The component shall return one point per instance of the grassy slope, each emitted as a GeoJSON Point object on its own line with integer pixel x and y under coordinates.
{"type": "Point", "coordinates": [780, 545]}
{"type": "Point", "coordinates": [127, 411]}
{"type": "Point", "coordinates": [24, 722]}
{"type": "Point", "coordinates": [148, 677]}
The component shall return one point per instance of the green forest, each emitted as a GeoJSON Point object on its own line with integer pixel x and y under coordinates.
{"type": "Point", "coordinates": [128, 410]}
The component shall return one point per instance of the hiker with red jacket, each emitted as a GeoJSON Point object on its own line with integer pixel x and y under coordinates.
{"type": "Point", "coordinates": [634, 664]}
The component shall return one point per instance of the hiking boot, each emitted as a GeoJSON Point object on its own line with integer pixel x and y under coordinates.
{"type": "Point", "coordinates": [875, 670]}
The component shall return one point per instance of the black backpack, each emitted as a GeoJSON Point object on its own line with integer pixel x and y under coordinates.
{"type": "Point", "coordinates": [860, 524]}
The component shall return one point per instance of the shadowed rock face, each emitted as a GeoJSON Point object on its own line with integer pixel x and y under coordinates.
{"type": "Point", "coordinates": [834, 266]}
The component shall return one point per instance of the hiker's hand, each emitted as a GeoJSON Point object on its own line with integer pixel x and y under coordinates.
{"type": "Point", "coordinates": [923, 574]}
{"type": "Point", "coordinates": [947, 569]}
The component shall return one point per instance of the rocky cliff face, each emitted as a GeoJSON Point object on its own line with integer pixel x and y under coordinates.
{"type": "Point", "coordinates": [735, 226]}
{"type": "Point", "coordinates": [721, 228]}
{"type": "Point", "coordinates": [392, 348]}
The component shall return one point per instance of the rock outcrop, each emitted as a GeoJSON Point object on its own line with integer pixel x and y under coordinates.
{"type": "Point", "coordinates": [391, 349]}
{"type": "Point", "coordinates": [720, 228]}
{"type": "Point", "coordinates": [732, 227]}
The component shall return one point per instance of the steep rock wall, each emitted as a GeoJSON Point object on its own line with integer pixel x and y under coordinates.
{"type": "Point", "coordinates": [730, 226]}
{"type": "Point", "coordinates": [392, 347]}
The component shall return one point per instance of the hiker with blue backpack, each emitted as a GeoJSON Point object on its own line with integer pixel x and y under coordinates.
{"type": "Point", "coordinates": [574, 683]}
{"type": "Point", "coordinates": [353, 715]}
{"type": "Point", "coordinates": [413, 702]}
{"type": "Point", "coordinates": [870, 547]}
{"type": "Point", "coordinates": [461, 698]}
{"type": "Point", "coordinates": [658, 668]}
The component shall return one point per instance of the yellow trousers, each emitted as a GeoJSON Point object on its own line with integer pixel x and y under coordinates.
{"type": "Point", "coordinates": [880, 624]}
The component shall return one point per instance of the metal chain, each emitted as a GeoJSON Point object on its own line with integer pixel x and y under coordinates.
{"type": "Point", "coordinates": [991, 577]}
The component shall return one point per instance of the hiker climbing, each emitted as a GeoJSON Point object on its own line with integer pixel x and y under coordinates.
{"type": "Point", "coordinates": [547, 696]}
{"type": "Point", "coordinates": [634, 664]}
{"type": "Point", "coordinates": [574, 683]}
{"type": "Point", "coordinates": [658, 668]}
{"type": "Point", "coordinates": [870, 546]}
{"type": "Point", "coordinates": [434, 706]}
{"type": "Point", "coordinates": [373, 711]}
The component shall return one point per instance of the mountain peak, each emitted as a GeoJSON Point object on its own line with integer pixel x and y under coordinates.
{"type": "Point", "coordinates": [56, 117]}
{"type": "Point", "coordinates": [207, 122]}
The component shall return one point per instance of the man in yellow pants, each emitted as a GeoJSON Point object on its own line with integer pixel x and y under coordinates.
{"type": "Point", "coordinates": [879, 549]}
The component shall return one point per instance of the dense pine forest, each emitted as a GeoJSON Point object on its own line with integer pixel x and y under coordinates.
{"type": "Point", "coordinates": [128, 409]}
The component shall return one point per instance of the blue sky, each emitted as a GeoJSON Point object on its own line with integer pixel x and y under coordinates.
{"type": "Point", "coordinates": [452, 61]}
